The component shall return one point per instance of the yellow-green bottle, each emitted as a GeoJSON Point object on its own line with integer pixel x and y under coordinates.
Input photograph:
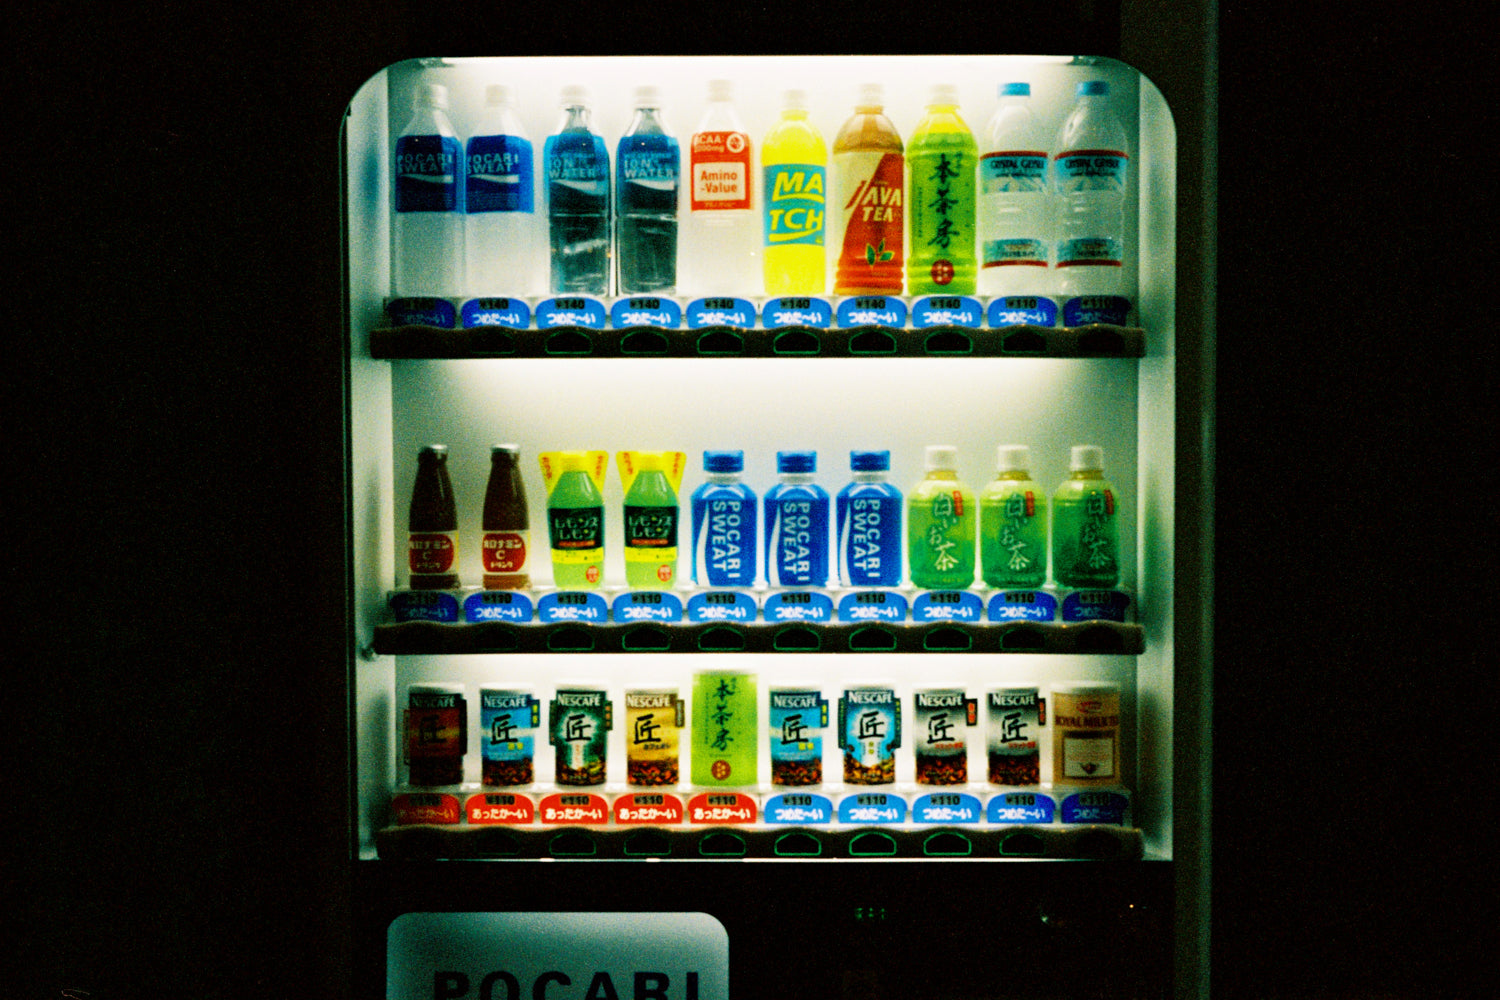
{"type": "Point", "coordinates": [940, 520]}
{"type": "Point", "coordinates": [942, 160]}
{"type": "Point", "coordinates": [1085, 546]}
{"type": "Point", "coordinates": [1013, 523]}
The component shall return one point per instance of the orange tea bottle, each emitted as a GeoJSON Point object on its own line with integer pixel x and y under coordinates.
{"type": "Point", "coordinates": [869, 173]}
{"type": "Point", "coordinates": [432, 524]}
{"type": "Point", "coordinates": [506, 544]}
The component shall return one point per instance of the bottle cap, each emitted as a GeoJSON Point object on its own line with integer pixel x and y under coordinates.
{"type": "Point", "coordinates": [440, 450]}
{"type": "Point", "coordinates": [1086, 456]}
{"type": "Point", "coordinates": [573, 461]}
{"type": "Point", "coordinates": [496, 94]}
{"type": "Point", "coordinates": [795, 98]}
{"type": "Point", "coordinates": [869, 461]}
{"type": "Point", "coordinates": [720, 90]}
{"type": "Point", "coordinates": [505, 449]}
{"type": "Point", "coordinates": [796, 461]}
{"type": "Point", "coordinates": [433, 95]}
{"type": "Point", "coordinates": [1093, 88]}
{"type": "Point", "coordinates": [1012, 458]}
{"type": "Point", "coordinates": [941, 456]}
{"type": "Point", "coordinates": [1015, 90]}
{"type": "Point", "coordinates": [943, 95]}
{"type": "Point", "coordinates": [871, 95]}
{"type": "Point", "coordinates": [574, 95]}
{"type": "Point", "coordinates": [723, 461]}
{"type": "Point", "coordinates": [647, 97]}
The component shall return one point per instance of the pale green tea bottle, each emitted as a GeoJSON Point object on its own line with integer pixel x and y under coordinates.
{"type": "Point", "coordinates": [940, 523]}
{"type": "Point", "coordinates": [1013, 523]}
{"type": "Point", "coordinates": [1085, 543]}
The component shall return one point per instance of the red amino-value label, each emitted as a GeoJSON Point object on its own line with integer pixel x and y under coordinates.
{"type": "Point", "coordinates": [720, 167]}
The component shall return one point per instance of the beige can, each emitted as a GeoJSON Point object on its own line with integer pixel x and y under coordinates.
{"type": "Point", "coordinates": [653, 722]}
{"type": "Point", "coordinates": [1086, 734]}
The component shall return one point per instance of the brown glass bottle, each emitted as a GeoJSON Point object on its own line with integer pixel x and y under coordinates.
{"type": "Point", "coordinates": [505, 547]}
{"type": "Point", "coordinates": [432, 524]}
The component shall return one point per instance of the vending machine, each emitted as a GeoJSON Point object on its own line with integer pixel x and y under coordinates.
{"type": "Point", "coordinates": [778, 559]}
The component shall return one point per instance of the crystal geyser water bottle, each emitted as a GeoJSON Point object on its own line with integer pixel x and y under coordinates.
{"type": "Point", "coordinates": [941, 161]}
{"type": "Point", "coordinates": [869, 195]}
{"type": "Point", "coordinates": [648, 163]}
{"type": "Point", "coordinates": [1015, 206]}
{"type": "Point", "coordinates": [499, 201]}
{"type": "Point", "coordinates": [795, 165]}
{"type": "Point", "coordinates": [1090, 175]}
{"type": "Point", "coordinates": [577, 201]}
{"type": "Point", "coordinates": [427, 227]}
{"type": "Point", "coordinates": [724, 524]}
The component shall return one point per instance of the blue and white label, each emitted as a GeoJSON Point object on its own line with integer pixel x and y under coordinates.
{"type": "Point", "coordinates": [498, 606]}
{"type": "Point", "coordinates": [723, 516]}
{"type": "Point", "coordinates": [506, 722]}
{"type": "Point", "coordinates": [869, 535]}
{"type": "Point", "coordinates": [571, 310]}
{"type": "Point", "coordinates": [879, 808]}
{"type": "Point", "coordinates": [799, 606]}
{"type": "Point", "coordinates": [500, 175]}
{"type": "Point", "coordinates": [1095, 807]}
{"type": "Point", "coordinates": [796, 311]}
{"type": "Point", "coordinates": [1022, 606]}
{"type": "Point", "coordinates": [422, 311]}
{"type": "Point", "coordinates": [738, 313]}
{"type": "Point", "coordinates": [572, 606]}
{"type": "Point", "coordinates": [1091, 251]}
{"type": "Point", "coordinates": [1013, 171]}
{"type": "Point", "coordinates": [428, 174]}
{"type": "Point", "coordinates": [1090, 170]}
{"type": "Point", "coordinates": [800, 808]}
{"type": "Point", "coordinates": [1095, 606]}
{"type": "Point", "coordinates": [872, 606]}
{"type": "Point", "coordinates": [646, 310]}
{"type": "Point", "coordinates": [1022, 310]}
{"type": "Point", "coordinates": [872, 310]}
{"type": "Point", "coordinates": [946, 807]}
{"type": "Point", "coordinates": [721, 606]}
{"type": "Point", "coordinates": [1020, 807]}
{"type": "Point", "coordinates": [1014, 253]}
{"type": "Point", "coordinates": [424, 606]}
{"type": "Point", "coordinates": [947, 606]}
{"type": "Point", "coordinates": [647, 606]}
{"type": "Point", "coordinates": [512, 314]}
{"type": "Point", "coordinates": [1086, 309]}
{"type": "Point", "coordinates": [946, 310]}
{"type": "Point", "coordinates": [796, 536]}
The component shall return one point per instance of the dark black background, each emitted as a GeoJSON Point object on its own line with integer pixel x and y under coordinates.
{"type": "Point", "coordinates": [176, 559]}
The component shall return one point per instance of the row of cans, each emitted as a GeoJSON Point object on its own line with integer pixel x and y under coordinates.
{"type": "Point", "coordinates": [721, 734]}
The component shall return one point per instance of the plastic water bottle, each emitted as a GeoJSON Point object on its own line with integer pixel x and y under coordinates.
{"type": "Point", "coordinates": [1015, 207]}
{"type": "Point", "coordinates": [722, 239]}
{"type": "Point", "coordinates": [427, 231]}
{"type": "Point", "coordinates": [942, 159]}
{"type": "Point", "coordinates": [1013, 523]}
{"type": "Point", "coordinates": [869, 171]}
{"type": "Point", "coordinates": [1085, 509]}
{"type": "Point", "coordinates": [795, 160]}
{"type": "Point", "coordinates": [1090, 177]}
{"type": "Point", "coordinates": [500, 201]}
{"type": "Point", "coordinates": [796, 523]}
{"type": "Point", "coordinates": [648, 164]}
{"type": "Point", "coordinates": [723, 511]}
{"type": "Point", "coordinates": [578, 201]}
{"type": "Point", "coordinates": [940, 520]}
{"type": "Point", "coordinates": [868, 514]}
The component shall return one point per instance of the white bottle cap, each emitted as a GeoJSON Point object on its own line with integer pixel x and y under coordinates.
{"type": "Point", "coordinates": [496, 94]}
{"type": "Point", "coordinates": [647, 97]}
{"type": "Point", "coordinates": [720, 90]}
{"type": "Point", "coordinates": [433, 95]}
{"type": "Point", "coordinates": [941, 456]}
{"type": "Point", "coordinates": [573, 95]}
{"type": "Point", "coordinates": [1086, 456]}
{"type": "Point", "coordinates": [1012, 458]}
{"type": "Point", "coordinates": [943, 94]}
{"type": "Point", "coordinates": [871, 95]}
{"type": "Point", "coordinates": [795, 98]}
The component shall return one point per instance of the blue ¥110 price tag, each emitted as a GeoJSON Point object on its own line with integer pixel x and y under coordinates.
{"type": "Point", "coordinates": [572, 606]}
{"type": "Point", "coordinates": [497, 606]}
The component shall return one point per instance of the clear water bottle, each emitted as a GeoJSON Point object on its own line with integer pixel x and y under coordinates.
{"type": "Point", "coordinates": [427, 230]}
{"type": "Point", "coordinates": [578, 201]}
{"type": "Point", "coordinates": [649, 165]}
{"type": "Point", "coordinates": [499, 201]}
{"type": "Point", "coordinates": [721, 241]}
{"type": "Point", "coordinates": [1015, 209]}
{"type": "Point", "coordinates": [1090, 178]}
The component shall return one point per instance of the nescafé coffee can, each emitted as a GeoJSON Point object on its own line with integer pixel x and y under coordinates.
{"type": "Point", "coordinates": [1013, 736]}
{"type": "Point", "coordinates": [436, 733]}
{"type": "Point", "coordinates": [508, 718]}
{"type": "Point", "coordinates": [941, 717]}
{"type": "Point", "coordinates": [578, 727]}
{"type": "Point", "coordinates": [653, 722]}
{"type": "Point", "coordinates": [798, 718]}
{"type": "Point", "coordinates": [1086, 734]}
{"type": "Point", "coordinates": [869, 733]}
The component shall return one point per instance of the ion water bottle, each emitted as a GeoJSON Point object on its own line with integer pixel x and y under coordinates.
{"type": "Point", "coordinates": [648, 163]}
{"type": "Point", "coordinates": [427, 230]}
{"type": "Point", "coordinates": [1015, 206]}
{"type": "Point", "coordinates": [722, 241]}
{"type": "Point", "coordinates": [940, 525]}
{"type": "Point", "coordinates": [1085, 546]}
{"type": "Point", "coordinates": [1013, 523]}
{"type": "Point", "coordinates": [1090, 177]}
{"type": "Point", "coordinates": [795, 161]}
{"type": "Point", "coordinates": [578, 201]}
{"type": "Point", "coordinates": [499, 201]}
{"type": "Point", "coordinates": [868, 514]}
{"type": "Point", "coordinates": [869, 183]}
{"type": "Point", "coordinates": [941, 160]}
{"type": "Point", "coordinates": [796, 523]}
{"type": "Point", "coordinates": [724, 524]}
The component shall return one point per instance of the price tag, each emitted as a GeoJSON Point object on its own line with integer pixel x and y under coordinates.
{"type": "Point", "coordinates": [946, 310]}
{"type": "Point", "coordinates": [1020, 807]}
{"type": "Point", "coordinates": [570, 311]}
{"type": "Point", "coordinates": [1088, 309]}
{"type": "Point", "coordinates": [946, 807]}
{"type": "Point", "coordinates": [659, 808]}
{"type": "Point", "coordinates": [499, 808]}
{"type": "Point", "coordinates": [799, 606]}
{"type": "Point", "coordinates": [721, 606]}
{"type": "Point", "coordinates": [424, 606]}
{"type": "Point", "coordinates": [795, 311]}
{"type": "Point", "coordinates": [880, 808]}
{"type": "Point", "coordinates": [1022, 310]}
{"type": "Point", "coordinates": [422, 312]}
{"type": "Point", "coordinates": [646, 310]}
{"type": "Point", "coordinates": [497, 606]}
{"type": "Point", "coordinates": [872, 606]}
{"type": "Point", "coordinates": [1022, 606]}
{"type": "Point", "coordinates": [1095, 606]}
{"type": "Point", "coordinates": [738, 313]}
{"type": "Point", "coordinates": [409, 808]}
{"type": "Point", "coordinates": [1095, 807]}
{"type": "Point", "coordinates": [802, 808]}
{"type": "Point", "coordinates": [573, 807]}
{"type": "Point", "coordinates": [648, 606]}
{"type": "Point", "coordinates": [872, 310]}
{"type": "Point", "coordinates": [572, 606]}
{"type": "Point", "coordinates": [513, 314]}
{"type": "Point", "coordinates": [947, 606]}
{"type": "Point", "coordinates": [721, 807]}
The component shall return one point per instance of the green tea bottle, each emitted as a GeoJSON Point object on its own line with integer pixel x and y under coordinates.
{"type": "Point", "coordinates": [575, 517]}
{"type": "Point", "coordinates": [1085, 547]}
{"type": "Point", "coordinates": [940, 520]}
{"type": "Point", "coordinates": [942, 160]}
{"type": "Point", "coordinates": [1013, 523]}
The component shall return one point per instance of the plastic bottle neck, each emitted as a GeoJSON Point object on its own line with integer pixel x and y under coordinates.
{"type": "Point", "coordinates": [1086, 474]}
{"type": "Point", "coordinates": [1014, 475]}
{"type": "Point", "coordinates": [575, 118]}
{"type": "Point", "coordinates": [870, 476]}
{"type": "Point", "coordinates": [724, 478]}
{"type": "Point", "coordinates": [795, 478]}
{"type": "Point", "coordinates": [647, 121]}
{"type": "Point", "coordinates": [934, 474]}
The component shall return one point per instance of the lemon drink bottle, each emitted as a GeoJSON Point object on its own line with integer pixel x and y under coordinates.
{"type": "Point", "coordinates": [940, 525]}
{"type": "Point", "coordinates": [1013, 523]}
{"type": "Point", "coordinates": [795, 162]}
{"type": "Point", "coordinates": [575, 516]}
{"type": "Point", "coordinates": [1085, 545]}
{"type": "Point", "coordinates": [942, 159]}
{"type": "Point", "coordinates": [651, 480]}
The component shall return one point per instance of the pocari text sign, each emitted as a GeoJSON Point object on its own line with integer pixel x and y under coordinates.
{"type": "Point", "coordinates": [557, 956]}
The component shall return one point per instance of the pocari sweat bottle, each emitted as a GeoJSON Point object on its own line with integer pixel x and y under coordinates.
{"type": "Point", "coordinates": [578, 201]}
{"type": "Point", "coordinates": [796, 524]}
{"type": "Point", "coordinates": [1090, 175]}
{"type": "Point", "coordinates": [868, 514]}
{"type": "Point", "coordinates": [724, 524]}
{"type": "Point", "coordinates": [427, 229]}
{"type": "Point", "coordinates": [1015, 207]}
{"type": "Point", "coordinates": [649, 164]}
{"type": "Point", "coordinates": [499, 201]}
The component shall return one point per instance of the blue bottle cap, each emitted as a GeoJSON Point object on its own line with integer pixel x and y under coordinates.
{"type": "Point", "coordinates": [1015, 90]}
{"type": "Point", "coordinates": [796, 461]}
{"type": "Point", "coordinates": [1093, 88]}
{"type": "Point", "coordinates": [869, 461]}
{"type": "Point", "coordinates": [723, 461]}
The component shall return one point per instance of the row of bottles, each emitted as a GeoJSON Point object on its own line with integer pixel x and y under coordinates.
{"type": "Point", "coordinates": [722, 736]}
{"type": "Point", "coordinates": [945, 528]}
{"type": "Point", "coordinates": [1030, 215]}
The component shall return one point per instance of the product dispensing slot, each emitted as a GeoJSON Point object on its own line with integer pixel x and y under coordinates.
{"type": "Point", "coordinates": [493, 637]}
{"type": "Point", "coordinates": [490, 342]}
{"type": "Point", "coordinates": [721, 340]}
{"type": "Point", "coordinates": [947, 844]}
{"type": "Point", "coordinates": [644, 343]}
{"type": "Point", "coordinates": [721, 639]}
{"type": "Point", "coordinates": [494, 843]}
{"type": "Point", "coordinates": [1022, 639]}
{"type": "Point", "coordinates": [798, 844]}
{"type": "Point", "coordinates": [646, 639]}
{"type": "Point", "coordinates": [948, 340]}
{"type": "Point", "coordinates": [572, 844]}
{"type": "Point", "coordinates": [722, 844]}
{"type": "Point", "coordinates": [1097, 845]}
{"type": "Point", "coordinates": [1101, 638]}
{"type": "Point", "coordinates": [872, 340]}
{"type": "Point", "coordinates": [947, 640]}
{"type": "Point", "coordinates": [1098, 340]}
{"type": "Point", "coordinates": [872, 844]}
{"type": "Point", "coordinates": [1023, 340]}
{"type": "Point", "coordinates": [568, 342]}
{"type": "Point", "coordinates": [796, 639]}
{"type": "Point", "coordinates": [1022, 845]}
{"type": "Point", "coordinates": [570, 639]}
{"type": "Point", "coordinates": [872, 639]}
{"type": "Point", "coordinates": [648, 844]}
{"type": "Point", "coordinates": [796, 341]}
